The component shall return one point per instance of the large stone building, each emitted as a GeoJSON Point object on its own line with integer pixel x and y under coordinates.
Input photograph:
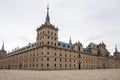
{"type": "Point", "coordinates": [47, 53]}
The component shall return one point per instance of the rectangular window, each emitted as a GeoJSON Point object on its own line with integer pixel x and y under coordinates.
{"type": "Point", "coordinates": [36, 65]}
{"type": "Point", "coordinates": [60, 60]}
{"type": "Point", "coordinates": [55, 59]}
{"type": "Point", "coordinates": [42, 65]}
{"type": "Point", "coordinates": [47, 65]}
{"type": "Point", "coordinates": [47, 59]}
{"type": "Point", "coordinates": [54, 65]}
{"type": "Point", "coordinates": [47, 53]}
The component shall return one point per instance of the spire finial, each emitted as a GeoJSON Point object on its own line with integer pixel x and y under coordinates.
{"type": "Point", "coordinates": [70, 41]}
{"type": "Point", "coordinates": [3, 46]}
{"type": "Point", "coordinates": [47, 17]}
{"type": "Point", "coordinates": [47, 6]}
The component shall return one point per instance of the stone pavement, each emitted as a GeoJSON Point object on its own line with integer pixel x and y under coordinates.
{"type": "Point", "coordinates": [93, 74]}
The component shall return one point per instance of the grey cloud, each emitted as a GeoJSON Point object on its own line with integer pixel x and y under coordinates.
{"type": "Point", "coordinates": [93, 38]}
{"type": "Point", "coordinates": [24, 39]}
{"type": "Point", "coordinates": [79, 17]}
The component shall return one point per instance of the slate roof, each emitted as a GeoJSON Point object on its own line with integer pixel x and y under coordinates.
{"type": "Point", "coordinates": [65, 45]}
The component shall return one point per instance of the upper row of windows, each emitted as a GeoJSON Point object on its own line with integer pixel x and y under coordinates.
{"type": "Point", "coordinates": [48, 33]}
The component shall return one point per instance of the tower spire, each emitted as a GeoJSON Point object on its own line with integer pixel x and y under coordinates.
{"type": "Point", "coordinates": [116, 48]}
{"type": "Point", "coordinates": [70, 41]}
{"type": "Point", "coordinates": [47, 17]}
{"type": "Point", "coordinates": [2, 46]}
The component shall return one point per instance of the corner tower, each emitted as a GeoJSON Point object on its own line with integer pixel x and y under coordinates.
{"type": "Point", "coordinates": [116, 53]}
{"type": "Point", "coordinates": [47, 34]}
{"type": "Point", "coordinates": [2, 51]}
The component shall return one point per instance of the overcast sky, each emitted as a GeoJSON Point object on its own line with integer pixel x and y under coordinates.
{"type": "Point", "coordinates": [83, 20]}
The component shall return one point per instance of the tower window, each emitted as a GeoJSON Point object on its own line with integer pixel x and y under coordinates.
{"type": "Point", "coordinates": [79, 55]}
{"type": "Point", "coordinates": [42, 42]}
{"type": "Point", "coordinates": [52, 33]}
{"type": "Point", "coordinates": [65, 60]}
{"type": "Point", "coordinates": [55, 54]}
{"type": "Point", "coordinates": [65, 65]}
{"type": "Point", "coordinates": [65, 55]}
{"type": "Point", "coordinates": [55, 44]}
{"type": "Point", "coordinates": [55, 65]}
{"type": "Point", "coordinates": [42, 59]}
{"type": "Point", "coordinates": [74, 60]}
{"type": "Point", "coordinates": [48, 32]}
{"type": "Point", "coordinates": [36, 59]}
{"type": "Point", "coordinates": [55, 39]}
{"type": "Point", "coordinates": [47, 59]}
{"type": "Point", "coordinates": [48, 42]}
{"type": "Point", "coordinates": [47, 53]}
{"type": "Point", "coordinates": [55, 34]}
{"type": "Point", "coordinates": [42, 65]}
{"type": "Point", "coordinates": [38, 34]}
{"type": "Point", "coordinates": [60, 65]}
{"type": "Point", "coordinates": [60, 54]}
{"type": "Point", "coordinates": [48, 37]}
{"type": "Point", "coordinates": [42, 53]}
{"type": "Point", "coordinates": [55, 59]}
{"type": "Point", "coordinates": [60, 60]}
{"type": "Point", "coordinates": [37, 65]}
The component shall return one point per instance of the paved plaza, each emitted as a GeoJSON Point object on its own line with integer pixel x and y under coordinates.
{"type": "Point", "coordinates": [93, 74]}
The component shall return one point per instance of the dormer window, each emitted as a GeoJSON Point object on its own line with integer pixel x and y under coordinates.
{"type": "Point", "coordinates": [68, 46]}
{"type": "Point", "coordinates": [63, 45]}
{"type": "Point", "coordinates": [32, 45]}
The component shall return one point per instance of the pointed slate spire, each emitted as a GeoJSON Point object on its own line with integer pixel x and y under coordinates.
{"type": "Point", "coordinates": [3, 46]}
{"type": "Point", "coordinates": [70, 41]}
{"type": "Point", "coordinates": [47, 17]}
{"type": "Point", "coordinates": [116, 48]}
